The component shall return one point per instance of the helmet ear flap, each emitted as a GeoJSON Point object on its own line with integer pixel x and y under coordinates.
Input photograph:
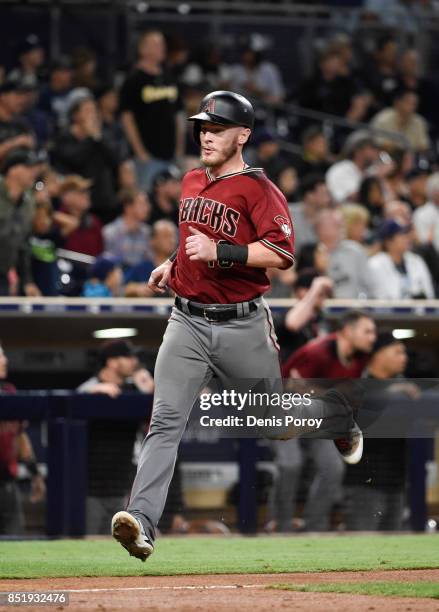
{"type": "Point", "coordinates": [196, 133]}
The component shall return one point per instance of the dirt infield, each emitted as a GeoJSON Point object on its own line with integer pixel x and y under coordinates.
{"type": "Point", "coordinates": [225, 592]}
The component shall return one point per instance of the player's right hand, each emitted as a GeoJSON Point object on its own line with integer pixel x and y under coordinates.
{"type": "Point", "coordinates": [159, 278]}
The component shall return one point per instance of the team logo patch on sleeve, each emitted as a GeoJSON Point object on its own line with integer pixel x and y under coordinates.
{"type": "Point", "coordinates": [284, 224]}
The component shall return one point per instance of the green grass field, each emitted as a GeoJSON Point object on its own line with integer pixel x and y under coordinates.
{"type": "Point", "coordinates": [212, 555]}
{"type": "Point", "coordinates": [392, 589]}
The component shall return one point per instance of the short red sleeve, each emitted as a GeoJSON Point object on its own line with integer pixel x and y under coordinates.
{"type": "Point", "coordinates": [272, 221]}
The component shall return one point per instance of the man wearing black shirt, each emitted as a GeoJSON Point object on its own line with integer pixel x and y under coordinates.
{"type": "Point", "coordinates": [149, 103]}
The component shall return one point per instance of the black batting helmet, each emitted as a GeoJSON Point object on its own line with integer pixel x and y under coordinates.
{"type": "Point", "coordinates": [225, 108]}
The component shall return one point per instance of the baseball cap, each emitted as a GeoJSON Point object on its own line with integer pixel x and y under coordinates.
{"type": "Point", "coordinates": [75, 182]}
{"type": "Point", "coordinates": [17, 157]}
{"type": "Point", "coordinates": [103, 266]}
{"type": "Point", "coordinates": [391, 228]}
{"type": "Point", "coordinates": [30, 43]}
{"type": "Point", "coordinates": [383, 340]}
{"type": "Point", "coordinates": [117, 348]}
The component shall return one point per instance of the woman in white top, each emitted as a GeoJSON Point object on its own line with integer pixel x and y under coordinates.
{"type": "Point", "coordinates": [396, 272]}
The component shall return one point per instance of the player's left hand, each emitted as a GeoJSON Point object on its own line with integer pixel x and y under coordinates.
{"type": "Point", "coordinates": [200, 247]}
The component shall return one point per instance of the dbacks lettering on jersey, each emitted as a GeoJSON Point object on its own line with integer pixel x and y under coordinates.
{"type": "Point", "coordinates": [218, 216]}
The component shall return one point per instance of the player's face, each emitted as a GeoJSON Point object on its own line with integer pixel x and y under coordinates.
{"type": "Point", "coordinates": [219, 143]}
{"type": "Point", "coordinates": [363, 335]}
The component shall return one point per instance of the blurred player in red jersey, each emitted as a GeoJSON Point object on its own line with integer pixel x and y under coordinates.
{"type": "Point", "coordinates": [234, 224]}
{"type": "Point", "coordinates": [14, 446]}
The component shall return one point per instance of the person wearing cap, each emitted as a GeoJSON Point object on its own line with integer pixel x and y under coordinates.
{"type": "Point", "coordinates": [86, 236]}
{"type": "Point", "coordinates": [107, 99]}
{"type": "Point", "coordinates": [128, 236]}
{"type": "Point", "coordinates": [165, 195]}
{"type": "Point", "coordinates": [110, 443]}
{"type": "Point", "coordinates": [54, 95]}
{"type": "Point", "coordinates": [315, 198]}
{"type": "Point", "coordinates": [376, 488]}
{"type": "Point", "coordinates": [83, 149]}
{"type": "Point", "coordinates": [397, 273]}
{"type": "Point", "coordinates": [315, 156]}
{"type": "Point", "coordinates": [15, 132]}
{"type": "Point", "coordinates": [31, 58]}
{"type": "Point", "coordinates": [150, 107]}
{"type": "Point", "coordinates": [105, 280]}
{"type": "Point", "coordinates": [18, 174]}
{"type": "Point", "coordinates": [344, 177]}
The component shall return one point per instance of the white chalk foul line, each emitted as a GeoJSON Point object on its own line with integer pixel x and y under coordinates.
{"type": "Point", "coordinates": [170, 588]}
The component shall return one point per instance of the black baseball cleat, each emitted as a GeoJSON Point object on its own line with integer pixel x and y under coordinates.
{"type": "Point", "coordinates": [350, 447]}
{"type": "Point", "coordinates": [128, 531]}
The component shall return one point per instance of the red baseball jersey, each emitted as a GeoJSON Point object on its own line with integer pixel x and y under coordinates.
{"type": "Point", "coordinates": [318, 359]}
{"type": "Point", "coordinates": [237, 208]}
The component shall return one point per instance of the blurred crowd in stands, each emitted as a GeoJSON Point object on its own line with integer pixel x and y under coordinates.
{"type": "Point", "coordinates": [91, 170]}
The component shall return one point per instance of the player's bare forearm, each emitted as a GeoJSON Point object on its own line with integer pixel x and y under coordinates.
{"type": "Point", "coordinates": [261, 257]}
{"type": "Point", "coordinates": [200, 247]}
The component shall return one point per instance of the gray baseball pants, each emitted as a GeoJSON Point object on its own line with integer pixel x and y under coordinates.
{"type": "Point", "coordinates": [192, 352]}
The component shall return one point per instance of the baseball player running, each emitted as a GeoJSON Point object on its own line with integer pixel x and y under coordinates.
{"type": "Point", "coordinates": [234, 224]}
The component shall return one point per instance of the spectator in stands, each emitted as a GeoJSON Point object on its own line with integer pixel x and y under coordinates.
{"type": "Point", "coordinates": [395, 183]}
{"type": "Point", "coordinates": [403, 119]}
{"type": "Point", "coordinates": [288, 183]}
{"type": "Point", "coordinates": [15, 446]}
{"type": "Point", "coordinates": [371, 196]}
{"type": "Point", "coordinates": [330, 91]}
{"type": "Point", "coordinates": [86, 235]}
{"type": "Point", "coordinates": [37, 119]}
{"type": "Point", "coordinates": [399, 211]}
{"type": "Point", "coordinates": [315, 198]}
{"type": "Point", "coordinates": [54, 96]}
{"type": "Point", "coordinates": [426, 89]}
{"type": "Point", "coordinates": [256, 77]}
{"type": "Point", "coordinates": [31, 60]}
{"type": "Point", "coordinates": [315, 157]}
{"type": "Point", "coordinates": [345, 176]}
{"type": "Point", "coordinates": [356, 220]}
{"type": "Point", "coordinates": [164, 240]}
{"type": "Point", "coordinates": [110, 443]}
{"type": "Point", "coordinates": [127, 237]}
{"type": "Point", "coordinates": [106, 279]}
{"type": "Point", "coordinates": [346, 262]}
{"type": "Point", "coordinates": [426, 217]}
{"type": "Point", "coordinates": [207, 69]}
{"type": "Point", "coordinates": [19, 172]}
{"type": "Point", "coordinates": [165, 195]}
{"type": "Point", "coordinates": [396, 272]}
{"type": "Point", "coordinates": [342, 354]}
{"type": "Point", "coordinates": [14, 131]}
{"type": "Point", "coordinates": [48, 230]}
{"type": "Point", "coordinates": [376, 487]}
{"type": "Point", "coordinates": [268, 154]}
{"type": "Point", "coordinates": [382, 76]}
{"type": "Point", "coordinates": [83, 149]}
{"type": "Point", "coordinates": [84, 68]}
{"type": "Point", "coordinates": [149, 103]}
{"type": "Point", "coordinates": [416, 181]}
{"type": "Point", "coordinates": [107, 98]}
